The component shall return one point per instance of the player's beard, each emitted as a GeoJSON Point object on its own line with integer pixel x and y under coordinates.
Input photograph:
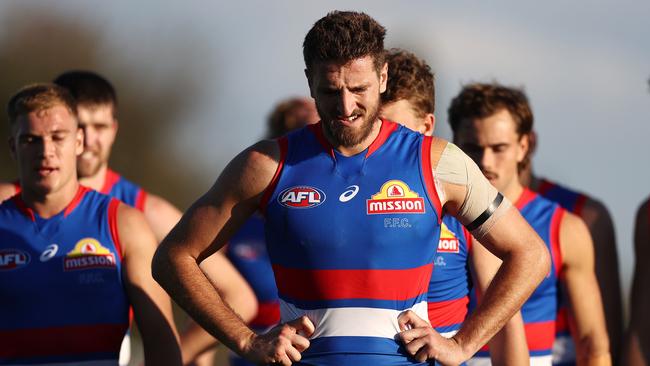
{"type": "Point", "coordinates": [347, 136]}
{"type": "Point", "coordinates": [88, 167]}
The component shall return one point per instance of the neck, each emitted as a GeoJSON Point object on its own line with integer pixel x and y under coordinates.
{"type": "Point", "coordinates": [528, 178]}
{"type": "Point", "coordinates": [97, 180]}
{"type": "Point", "coordinates": [353, 150]}
{"type": "Point", "coordinates": [51, 203]}
{"type": "Point", "coordinates": [513, 191]}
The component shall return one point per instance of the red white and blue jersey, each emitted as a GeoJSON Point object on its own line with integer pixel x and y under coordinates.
{"type": "Point", "coordinates": [63, 299]}
{"type": "Point", "coordinates": [450, 283]}
{"type": "Point", "coordinates": [564, 352]}
{"type": "Point", "coordinates": [352, 240]}
{"type": "Point", "coordinates": [539, 312]}
{"type": "Point", "coordinates": [117, 186]}
{"type": "Point", "coordinates": [124, 190]}
{"type": "Point", "coordinates": [247, 252]}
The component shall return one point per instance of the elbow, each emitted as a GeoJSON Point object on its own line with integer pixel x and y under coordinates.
{"type": "Point", "coordinates": [593, 347]}
{"type": "Point", "coordinates": [160, 265]}
{"type": "Point", "coordinates": [539, 261]}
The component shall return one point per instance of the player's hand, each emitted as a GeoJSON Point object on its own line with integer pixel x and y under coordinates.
{"type": "Point", "coordinates": [281, 345]}
{"type": "Point", "coordinates": [423, 343]}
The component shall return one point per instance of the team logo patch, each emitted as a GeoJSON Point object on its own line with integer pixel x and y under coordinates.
{"type": "Point", "coordinates": [301, 197]}
{"type": "Point", "coordinates": [394, 196]}
{"type": "Point", "coordinates": [13, 259]}
{"type": "Point", "coordinates": [88, 253]}
{"type": "Point", "coordinates": [448, 241]}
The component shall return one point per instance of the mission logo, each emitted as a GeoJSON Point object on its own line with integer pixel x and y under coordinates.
{"type": "Point", "coordinates": [301, 197]}
{"type": "Point", "coordinates": [395, 196]}
{"type": "Point", "coordinates": [88, 253]}
{"type": "Point", "coordinates": [448, 241]}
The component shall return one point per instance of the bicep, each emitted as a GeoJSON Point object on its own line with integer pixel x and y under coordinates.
{"type": "Point", "coordinates": [578, 274]}
{"type": "Point", "coordinates": [217, 215]}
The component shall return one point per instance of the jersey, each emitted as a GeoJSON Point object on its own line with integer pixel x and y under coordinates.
{"type": "Point", "coordinates": [352, 240]}
{"type": "Point", "coordinates": [61, 284]}
{"type": "Point", "coordinates": [247, 252]}
{"type": "Point", "coordinates": [539, 312]}
{"type": "Point", "coordinates": [564, 351]}
{"type": "Point", "coordinates": [450, 283]}
{"type": "Point", "coordinates": [124, 190]}
{"type": "Point", "coordinates": [117, 186]}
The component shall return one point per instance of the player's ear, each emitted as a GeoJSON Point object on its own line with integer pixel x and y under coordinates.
{"type": "Point", "coordinates": [429, 124]}
{"type": "Point", "coordinates": [310, 80]}
{"type": "Point", "coordinates": [524, 147]}
{"type": "Point", "coordinates": [383, 78]}
{"type": "Point", "coordinates": [12, 147]}
{"type": "Point", "coordinates": [79, 141]}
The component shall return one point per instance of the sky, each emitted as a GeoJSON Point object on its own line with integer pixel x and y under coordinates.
{"type": "Point", "coordinates": [584, 65]}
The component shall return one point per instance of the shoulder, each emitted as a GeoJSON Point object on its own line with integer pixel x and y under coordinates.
{"type": "Point", "coordinates": [643, 212]}
{"type": "Point", "coordinates": [594, 210]}
{"type": "Point", "coordinates": [7, 190]}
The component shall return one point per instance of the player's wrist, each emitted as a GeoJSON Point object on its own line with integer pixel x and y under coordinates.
{"type": "Point", "coordinates": [463, 350]}
{"type": "Point", "coordinates": [245, 342]}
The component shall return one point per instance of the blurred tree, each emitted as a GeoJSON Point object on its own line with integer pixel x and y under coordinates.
{"type": "Point", "coordinates": [38, 43]}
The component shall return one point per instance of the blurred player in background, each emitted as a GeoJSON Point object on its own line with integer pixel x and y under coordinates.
{"type": "Point", "coordinates": [601, 228]}
{"type": "Point", "coordinates": [410, 100]}
{"type": "Point", "coordinates": [73, 261]}
{"type": "Point", "coordinates": [491, 123]}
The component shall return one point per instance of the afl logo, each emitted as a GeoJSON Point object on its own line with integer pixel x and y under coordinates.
{"type": "Point", "coordinates": [12, 259]}
{"type": "Point", "coordinates": [301, 197]}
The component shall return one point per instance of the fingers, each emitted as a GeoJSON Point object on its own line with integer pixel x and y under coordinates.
{"type": "Point", "coordinates": [303, 326]}
{"type": "Point", "coordinates": [410, 335]}
{"type": "Point", "coordinates": [409, 320]}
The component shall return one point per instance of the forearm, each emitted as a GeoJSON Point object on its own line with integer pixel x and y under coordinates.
{"type": "Point", "coordinates": [592, 349]}
{"type": "Point", "coordinates": [180, 276]}
{"type": "Point", "coordinates": [517, 278]}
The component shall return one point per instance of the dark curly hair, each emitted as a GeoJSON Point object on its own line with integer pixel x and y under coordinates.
{"type": "Point", "coordinates": [409, 78]}
{"type": "Point", "coordinates": [344, 36]}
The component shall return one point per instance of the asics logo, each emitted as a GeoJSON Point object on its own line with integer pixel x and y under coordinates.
{"type": "Point", "coordinates": [49, 252]}
{"type": "Point", "coordinates": [349, 193]}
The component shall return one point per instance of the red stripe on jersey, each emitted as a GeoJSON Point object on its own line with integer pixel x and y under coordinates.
{"type": "Point", "coordinates": [140, 199]}
{"type": "Point", "coordinates": [112, 224]}
{"type": "Point", "coordinates": [540, 336]}
{"type": "Point", "coordinates": [450, 312]}
{"type": "Point", "coordinates": [580, 204]}
{"type": "Point", "coordinates": [268, 315]}
{"type": "Point", "coordinates": [427, 171]}
{"type": "Point", "coordinates": [110, 180]}
{"type": "Point", "coordinates": [339, 284]}
{"type": "Point", "coordinates": [556, 249]}
{"type": "Point", "coordinates": [61, 341]}
{"type": "Point", "coordinates": [16, 184]}
{"type": "Point", "coordinates": [283, 142]}
{"type": "Point", "coordinates": [387, 128]}
{"type": "Point", "coordinates": [81, 192]}
{"type": "Point", "coordinates": [468, 239]}
{"type": "Point", "coordinates": [526, 196]}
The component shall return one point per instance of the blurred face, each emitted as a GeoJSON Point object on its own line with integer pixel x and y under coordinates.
{"type": "Point", "coordinates": [495, 146]}
{"type": "Point", "coordinates": [302, 114]}
{"type": "Point", "coordinates": [99, 127]}
{"type": "Point", "coordinates": [347, 98]}
{"type": "Point", "coordinates": [46, 144]}
{"type": "Point", "coordinates": [403, 112]}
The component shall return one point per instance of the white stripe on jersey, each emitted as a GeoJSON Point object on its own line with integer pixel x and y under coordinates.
{"type": "Point", "coordinates": [352, 322]}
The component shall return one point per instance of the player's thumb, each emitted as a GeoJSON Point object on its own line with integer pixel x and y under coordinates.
{"type": "Point", "coordinates": [303, 326]}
